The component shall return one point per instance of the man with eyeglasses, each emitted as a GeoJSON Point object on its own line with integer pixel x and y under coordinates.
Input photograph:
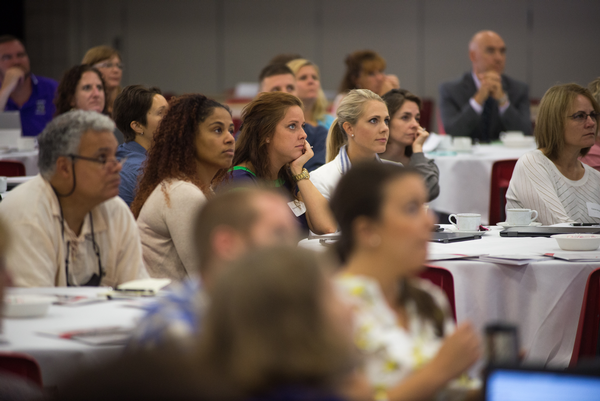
{"type": "Point", "coordinates": [69, 226]}
{"type": "Point", "coordinates": [484, 102]}
{"type": "Point", "coordinates": [22, 91]}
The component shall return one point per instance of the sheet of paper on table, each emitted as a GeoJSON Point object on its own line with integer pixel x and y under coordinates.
{"type": "Point", "coordinates": [517, 260]}
{"type": "Point", "coordinates": [451, 256]}
{"type": "Point", "coordinates": [576, 256]}
{"type": "Point", "coordinates": [110, 335]}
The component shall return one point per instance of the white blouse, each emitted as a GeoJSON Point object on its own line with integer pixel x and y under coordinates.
{"type": "Point", "coordinates": [538, 184]}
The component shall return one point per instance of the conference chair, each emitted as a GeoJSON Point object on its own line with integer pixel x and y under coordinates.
{"type": "Point", "coordinates": [10, 168]}
{"type": "Point", "coordinates": [502, 171]}
{"type": "Point", "coordinates": [443, 279]}
{"type": "Point", "coordinates": [586, 340]}
{"type": "Point", "coordinates": [21, 365]}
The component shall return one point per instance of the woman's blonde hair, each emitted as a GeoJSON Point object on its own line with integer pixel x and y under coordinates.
{"type": "Point", "coordinates": [349, 110]}
{"type": "Point", "coordinates": [594, 88]}
{"type": "Point", "coordinates": [320, 107]}
{"type": "Point", "coordinates": [267, 325]}
{"type": "Point", "coordinates": [552, 117]}
{"type": "Point", "coordinates": [100, 53]}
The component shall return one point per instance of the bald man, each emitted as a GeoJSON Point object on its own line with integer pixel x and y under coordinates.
{"type": "Point", "coordinates": [484, 102]}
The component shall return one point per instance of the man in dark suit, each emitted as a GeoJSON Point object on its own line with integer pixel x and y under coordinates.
{"type": "Point", "coordinates": [484, 102]}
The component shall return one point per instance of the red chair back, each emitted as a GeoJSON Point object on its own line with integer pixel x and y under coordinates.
{"type": "Point", "coordinates": [443, 279]}
{"type": "Point", "coordinates": [9, 168]}
{"type": "Point", "coordinates": [426, 114]}
{"type": "Point", "coordinates": [502, 171]}
{"type": "Point", "coordinates": [21, 365]}
{"type": "Point", "coordinates": [586, 341]}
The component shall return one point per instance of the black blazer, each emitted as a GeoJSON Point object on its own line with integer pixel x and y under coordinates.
{"type": "Point", "coordinates": [460, 119]}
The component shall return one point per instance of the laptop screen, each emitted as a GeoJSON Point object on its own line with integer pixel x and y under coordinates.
{"type": "Point", "coordinates": [521, 385]}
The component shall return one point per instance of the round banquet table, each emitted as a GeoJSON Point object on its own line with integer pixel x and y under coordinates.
{"type": "Point", "coordinates": [465, 178]}
{"type": "Point", "coordinates": [543, 298]}
{"type": "Point", "coordinates": [60, 359]}
{"type": "Point", "coordinates": [28, 157]}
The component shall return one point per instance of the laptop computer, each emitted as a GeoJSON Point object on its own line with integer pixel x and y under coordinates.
{"type": "Point", "coordinates": [10, 129]}
{"type": "Point", "coordinates": [527, 231]}
{"type": "Point", "coordinates": [446, 237]}
{"type": "Point", "coordinates": [539, 384]}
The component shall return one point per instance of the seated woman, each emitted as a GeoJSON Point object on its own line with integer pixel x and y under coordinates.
{"type": "Point", "coordinates": [137, 112]}
{"type": "Point", "coordinates": [108, 61]}
{"type": "Point", "coordinates": [551, 179]}
{"type": "Point", "coordinates": [365, 70]}
{"type": "Point", "coordinates": [359, 132]}
{"type": "Point", "coordinates": [405, 144]}
{"type": "Point", "coordinates": [402, 323]}
{"type": "Point", "coordinates": [592, 158]}
{"type": "Point", "coordinates": [82, 88]}
{"type": "Point", "coordinates": [308, 89]}
{"type": "Point", "coordinates": [272, 147]}
{"type": "Point", "coordinates": [193, 148]}
{"type": "Point", "coordinates": [300, 350]}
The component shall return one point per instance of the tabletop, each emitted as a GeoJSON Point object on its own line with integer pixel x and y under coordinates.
{"type": "Point", "coordinates": [59, 358]}
{"type": "Point", "coordinates": [28, 157]}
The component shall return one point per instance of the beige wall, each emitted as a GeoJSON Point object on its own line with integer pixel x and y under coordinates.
{"type": "Point", "coordinates": [210, 45]}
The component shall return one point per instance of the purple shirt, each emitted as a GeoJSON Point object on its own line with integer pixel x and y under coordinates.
{"type": "Point", "coordinates": [39, 108]}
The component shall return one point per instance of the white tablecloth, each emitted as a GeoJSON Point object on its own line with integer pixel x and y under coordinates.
{"type": "Point", "coordinates": [543, 298]}
{"type": "Point", "coordinates": [28, 157]}
{"type": "Point", "coordinates": [465, 179]}
{"type": "Point", "coordinates": [59, 359]}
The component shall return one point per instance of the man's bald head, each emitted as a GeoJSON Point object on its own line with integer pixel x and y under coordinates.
{"type": "Point", "coordinates": [487, 52]}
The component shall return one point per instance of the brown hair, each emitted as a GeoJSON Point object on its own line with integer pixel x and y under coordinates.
{"type": "Point", "coordinates": [173, 155]}
{"type": "Point", "coordinates": [552, 117]}
{"type": "Point", "coordinates": [361, 192]}
{"type": "Point", "coordinates": [366, 60]}
{"type": "Point", "coordinates": [259, 121]}
{"type": "Point", "coordinates": [394, 100]}
{"type": "Point", "coordinates": [100, 53]}
{"type": "Point", "coordinates": [284, 58]}
{"type": "Point", "coordinates": [68, 86]}
{"type": "Point", "coordinates": [274, 69]}
{"type": "Point", "coordinates": [267, 328]}
{"type": "Point", "coordinates": [9, 38]}
{"type": "Point", "coordinates": [133, 104]}
{"type": "Point", "coordinates": [594, 88]}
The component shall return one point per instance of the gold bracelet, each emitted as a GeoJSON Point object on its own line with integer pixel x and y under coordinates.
{"type": "Point", "coordinates": [302, 176]}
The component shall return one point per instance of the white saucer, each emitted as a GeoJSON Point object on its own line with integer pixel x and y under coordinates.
{"type": "Point", "coordinates": [533, 224]}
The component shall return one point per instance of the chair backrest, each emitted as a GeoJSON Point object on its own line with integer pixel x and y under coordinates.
{"type": "Point", "coordinates": [443, 279]}
{"type": "Point", "coordinates": [586, 340]}
{"type": "Point", "coordinates": [426, 114]}
{"type": "Point", "coordinates": [10, 168]}
{"type": "Point", "coordinates": [502, 171]}
{"type": "Point", "coordinates": [21, 365]}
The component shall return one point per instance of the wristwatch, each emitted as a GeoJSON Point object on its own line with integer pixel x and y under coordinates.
{"type": "Point", "coordinates": [302, 176]}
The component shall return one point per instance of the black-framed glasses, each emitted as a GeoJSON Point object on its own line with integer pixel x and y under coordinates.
{"type": "Point", "coordinates": [103, 160]}
{"type": "Point", "coordinates": [581, 116]}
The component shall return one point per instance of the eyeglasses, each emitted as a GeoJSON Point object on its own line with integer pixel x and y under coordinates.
{"type": "Point", "coordinates": [581, 116]}
{"type": "Point", "coordinates": [103, 160]}
{"type": "Point", "coordinates": [108, 64]}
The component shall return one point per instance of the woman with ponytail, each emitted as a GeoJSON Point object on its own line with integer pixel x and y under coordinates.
{"type": "Point", "coordinates": [402, 324]}
{"type": "Point", "coordinates": [193, 148]}
{"type": "Point", "coordinates": [359, 132]}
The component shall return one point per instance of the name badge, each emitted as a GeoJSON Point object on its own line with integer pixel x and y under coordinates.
{"type": "Point", "coordinates": [299, 208]}
{"type": "Point", "coordinates": [593, 209]}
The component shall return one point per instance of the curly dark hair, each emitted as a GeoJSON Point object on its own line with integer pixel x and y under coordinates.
{"type": "Point", "coordinates": [68, 86]}
{"type": "Point", "coordinates": [173, 154]}
{"type": "Point", "coordinates": [259, 120]}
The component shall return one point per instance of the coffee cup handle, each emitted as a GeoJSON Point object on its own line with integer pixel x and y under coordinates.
{"type": "Point", "coordinates": [535, 215]}
{"type": "Point", "coordinates": [452, 222]}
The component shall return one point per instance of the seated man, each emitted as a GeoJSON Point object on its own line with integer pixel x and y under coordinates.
{"type": "Point", "coordinates": [20, 90]}
{"type": "Point", "coordinates": [228, 226]}
{"type": "Point", "coordinates": [485, 102]}
{"type": "Point", "coordinates": [280, 78]}
{"type": "Point", "coordinates": [69, 226]}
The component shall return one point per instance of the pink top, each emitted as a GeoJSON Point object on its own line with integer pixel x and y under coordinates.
{"type": "Point", "coordinates": [593, 157]}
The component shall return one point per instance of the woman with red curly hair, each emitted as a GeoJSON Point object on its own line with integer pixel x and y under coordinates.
{"type": "Point", "coordinates": [193, 148]}
{"type": "Point", "coordinates": [272, 148]}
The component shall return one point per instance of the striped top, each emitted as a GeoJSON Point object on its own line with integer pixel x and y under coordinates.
{"type": "Point", "coordinates": [538, 184]}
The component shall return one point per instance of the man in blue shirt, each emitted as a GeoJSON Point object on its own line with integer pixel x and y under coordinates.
{"type": "Point", "coordinates": [20, 90]}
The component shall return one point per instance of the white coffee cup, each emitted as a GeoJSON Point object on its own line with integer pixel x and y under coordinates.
{"type": "Point", "coordinates": [520, 217]}
{"type": "Point", "coordinates": [3, 184]}
{"type": "Point", "coordinates": [462, 143]}
{"type": "Point", "coordinates": [466, 221]}
{"type": "Point", "coordinates": [512, 136]}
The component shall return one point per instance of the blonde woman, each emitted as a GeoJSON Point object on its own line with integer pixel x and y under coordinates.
{"type": "Point", "coordinates": [308, 89]}
{"type": "Point", "coordinates": [108, 61]}
{"type": "Point", "coordinates": [359, 133]}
